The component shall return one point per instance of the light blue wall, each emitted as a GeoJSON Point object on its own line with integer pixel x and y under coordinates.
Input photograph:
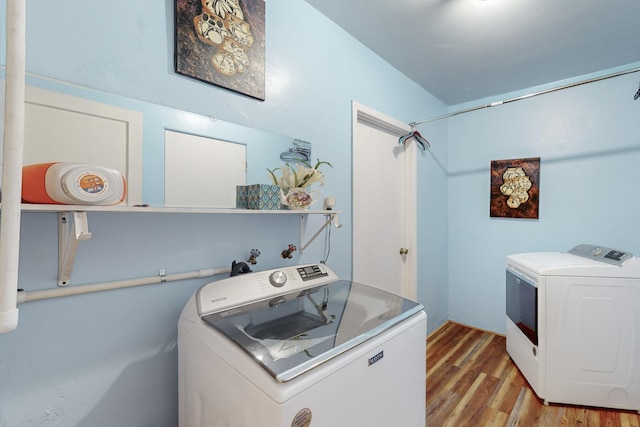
{"type": "Point", "coordinates": [110, 358]}
{"type": "Point", "coordinates": [589, 147]}
{"type": "Point", "coordinates": [433, 254]}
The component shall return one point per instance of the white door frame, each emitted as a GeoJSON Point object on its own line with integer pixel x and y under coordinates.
{"type": "Point", "coordinates": [368, 116]}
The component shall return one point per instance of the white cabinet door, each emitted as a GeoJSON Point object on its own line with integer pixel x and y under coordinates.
{"type": "Point", "coordinates": [201, 171]}
{"type": "Point", "coordinates": [65, 128]}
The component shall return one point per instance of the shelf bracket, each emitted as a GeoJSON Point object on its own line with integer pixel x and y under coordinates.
{"type": "Point", "coordinates": [330, 217]}
{"type": "Point", "coordinates": [69, 236]}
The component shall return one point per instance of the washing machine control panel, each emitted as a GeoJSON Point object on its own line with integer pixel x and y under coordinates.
{"type": "Point", "coordinates": [238, 290]}
{"type": "Point", "coordinates": [311, 272]}
{"type": "Point", "coordinates": [602, 254]}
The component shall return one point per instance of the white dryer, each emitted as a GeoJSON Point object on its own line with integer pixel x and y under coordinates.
{"type": "Point", "coordinates": [298, 347]}
{"type": "Point", "coordinates": [573, 325]}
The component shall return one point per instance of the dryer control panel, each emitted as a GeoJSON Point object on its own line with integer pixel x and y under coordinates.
{"type": "Point", "coordinates": [602, 254]}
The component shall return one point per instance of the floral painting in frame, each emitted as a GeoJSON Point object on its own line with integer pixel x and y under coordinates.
{"type": "Point", "coordinates": [515, 188]}
{"type": "Point", "coordinates": [222, 42]}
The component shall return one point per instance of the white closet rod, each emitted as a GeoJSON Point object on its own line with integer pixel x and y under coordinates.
{"type": "Point", "coordinates": [518, 98]}
{"type": "Point", "coordinates": [107, 286]}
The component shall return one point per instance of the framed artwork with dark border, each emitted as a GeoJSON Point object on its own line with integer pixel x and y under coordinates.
{"type": "Point", "coordinates": [222, 42]}
{"type": "Point", "coordinates": [515, 188]}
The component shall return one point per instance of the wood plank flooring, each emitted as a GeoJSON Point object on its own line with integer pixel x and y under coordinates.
{"type": "Point", "coordinates": [471, 381]}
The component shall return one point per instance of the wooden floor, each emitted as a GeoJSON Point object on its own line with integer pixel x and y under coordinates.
{"type": "Point", "coordinates": [471, 381]}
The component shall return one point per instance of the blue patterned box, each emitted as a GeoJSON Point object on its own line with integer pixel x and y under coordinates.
{"type": "Point", "coordinates": [263, 197]}
{"type": "Point", "coordinates": [242, 192]}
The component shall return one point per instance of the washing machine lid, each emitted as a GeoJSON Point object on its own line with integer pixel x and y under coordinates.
{"type": "Point", "coordinates": [292, 333]}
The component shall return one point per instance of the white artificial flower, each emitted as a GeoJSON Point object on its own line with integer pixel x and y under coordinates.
{"type": "Point", "coordinates": [303, 175]}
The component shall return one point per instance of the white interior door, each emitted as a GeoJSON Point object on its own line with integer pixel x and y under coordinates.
{"type": "Point", "coordinates": [384, 204]}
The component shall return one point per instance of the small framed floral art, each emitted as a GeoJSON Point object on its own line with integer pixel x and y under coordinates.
{"type": "Point", "coordinates": [515, 188]}
{"type": "Point", "coordinates": [222, 42]}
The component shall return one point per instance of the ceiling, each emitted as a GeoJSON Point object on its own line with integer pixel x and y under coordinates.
{"type": "Point", "coordinates": [464, 50]}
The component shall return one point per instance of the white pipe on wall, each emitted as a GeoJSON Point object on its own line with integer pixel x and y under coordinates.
{"type": "Point", "coordinates": [106, 286]}
{"type": "Point", "coordinates": [14, 115]}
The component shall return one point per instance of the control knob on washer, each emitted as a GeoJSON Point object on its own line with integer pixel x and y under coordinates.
{"type": "Point", "coordinates": [277, 279]}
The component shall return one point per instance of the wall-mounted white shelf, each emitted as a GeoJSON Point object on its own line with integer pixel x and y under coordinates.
{"type": "Point", "coordinates": [73, 225]}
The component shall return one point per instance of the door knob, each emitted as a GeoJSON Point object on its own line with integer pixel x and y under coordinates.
{"type": "Point", "coordinates": [404, 251]}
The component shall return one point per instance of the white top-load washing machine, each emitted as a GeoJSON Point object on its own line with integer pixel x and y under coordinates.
{"type": "Point", "coordinates": [297, 347]}
{"type": "Point", "coordinates": [573, 325]}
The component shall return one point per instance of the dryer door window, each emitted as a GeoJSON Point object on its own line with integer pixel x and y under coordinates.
{"type": "Point", "coordinates": [522, 305]}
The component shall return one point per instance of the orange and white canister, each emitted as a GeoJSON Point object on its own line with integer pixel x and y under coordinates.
{"type": "Point", "coordinates": [72, 184]}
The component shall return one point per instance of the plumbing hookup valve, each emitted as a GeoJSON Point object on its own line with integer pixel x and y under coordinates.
{"type": "Point", "coordinates": [287, 253]}
{"type": "Point", "coordinates": [255, 253]}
